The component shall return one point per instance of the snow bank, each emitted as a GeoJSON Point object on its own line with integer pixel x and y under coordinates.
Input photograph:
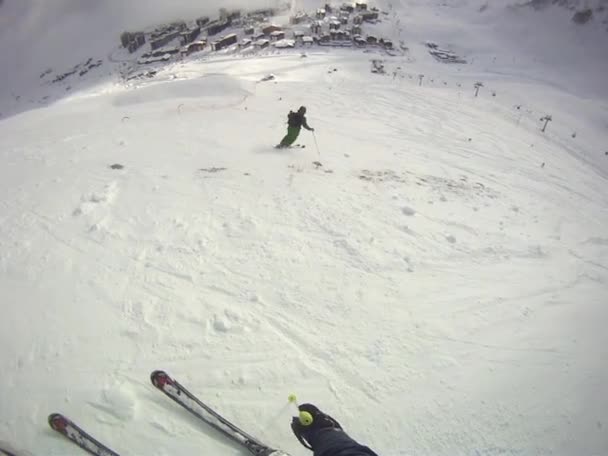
{"type": "Point", "coordinates": [227, 89]}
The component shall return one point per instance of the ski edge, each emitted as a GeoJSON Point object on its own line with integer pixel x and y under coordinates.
{"type": "Point", "coordinates": [60, 424]}
{"type": "Point", "coordinates": [160, 379]}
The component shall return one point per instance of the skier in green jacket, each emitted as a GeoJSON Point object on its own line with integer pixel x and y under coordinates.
{"type": "Point", "coordinates": [295, 122]}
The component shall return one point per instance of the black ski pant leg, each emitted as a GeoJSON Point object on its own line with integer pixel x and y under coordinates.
{"type": "Point", "coordinates": [334, 442]}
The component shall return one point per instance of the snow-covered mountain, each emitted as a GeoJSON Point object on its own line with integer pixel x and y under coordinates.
{"type": "Point", "coordinates": [527, 38]}
{"type": "Point", "coordinates": [438, 283]}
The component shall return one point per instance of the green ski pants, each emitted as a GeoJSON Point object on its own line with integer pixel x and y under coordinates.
{"type": "Point", "coordinates": [290, 137]}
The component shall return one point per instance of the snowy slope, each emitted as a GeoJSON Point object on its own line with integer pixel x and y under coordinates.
{"type": "Point", "coordinates": [439, 285]}
{"type": "Point", "coordinates": [38, 37]}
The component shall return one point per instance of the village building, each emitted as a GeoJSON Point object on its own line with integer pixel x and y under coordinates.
{"type": "Point", "coordinates": [285, 44]}
{"type": "Point", "coordinates": [226, 41]}
{"type": "Point", "coordinates": [138, 40]}
{"type": "Point", "coordinates": [369, 16]}
{"type": "Point", "coordinates": [271, 28]}
{"type": "Point", "coordinates": [190, 35]}
{"type": "Point", "coordinates": [169, 51]}
{"type": "Point", "coordinates": [216, 27]}
{"type": "Point", "coordinates": [162, 40]}
{"type": "Point", "coordinates": [147, 61]}
{"type": "Point", "coordinates": [125, 38]}
{"type": "Point", "coordinates": [359, 40]}
{"type": "Point", "coordinates": [342, 35]}
{"type": "Point", "coordinates": [197, 46]}
{"type": "Point", "coordinates": [328, 26]}
{"type": "Point", "coordinates": [277, 35]}
{"type": "Point", "coordinates": [132, 41]}
{"type": "Point", "coordinates": [308, 40]}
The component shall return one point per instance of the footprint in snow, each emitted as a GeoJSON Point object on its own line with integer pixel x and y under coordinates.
{"type": "Point", "coordinates": [408, 211]}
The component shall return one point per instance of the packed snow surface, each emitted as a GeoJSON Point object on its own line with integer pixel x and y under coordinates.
{"type": "Point", "coordinates": [439, 284]}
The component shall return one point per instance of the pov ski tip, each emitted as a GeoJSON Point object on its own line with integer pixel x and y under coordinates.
{"type": "Point", "coordinates": [58, 422]}
{"type": "Point", "coordinates": [160, 378]}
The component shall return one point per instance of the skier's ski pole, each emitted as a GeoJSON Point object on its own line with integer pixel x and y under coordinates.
{"type": "Point", "coordinates": [316, 145]}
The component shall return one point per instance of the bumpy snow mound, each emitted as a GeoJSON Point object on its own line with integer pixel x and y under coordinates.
{"type": "Point", "coordinates": [225, 89]}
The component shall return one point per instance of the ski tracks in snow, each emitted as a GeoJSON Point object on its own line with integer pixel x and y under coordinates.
{"type": "Point", "coordinates": [434, 270]}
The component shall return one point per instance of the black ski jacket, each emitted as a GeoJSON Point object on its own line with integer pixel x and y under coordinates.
{"type": "Point", "coordinates": [297, 120]}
